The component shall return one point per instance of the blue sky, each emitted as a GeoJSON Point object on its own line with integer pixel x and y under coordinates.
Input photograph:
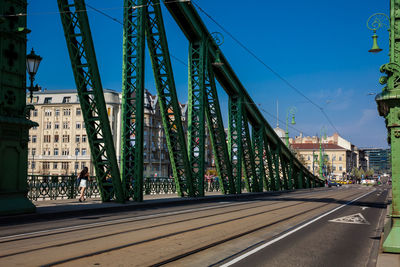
{"type": "Point", "coordinates": [320, 47]}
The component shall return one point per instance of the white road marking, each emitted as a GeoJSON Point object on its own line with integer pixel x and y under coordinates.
{"type": "Point", "coordinates": [290, 232]}
{"type": "Point", "coordinates": [357, 218]}
{"type": "Point", "coordinates": [364, 208]}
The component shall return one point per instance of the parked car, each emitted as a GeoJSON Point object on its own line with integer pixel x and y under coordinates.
{"type": "Point", "coordinates": [333, 183]}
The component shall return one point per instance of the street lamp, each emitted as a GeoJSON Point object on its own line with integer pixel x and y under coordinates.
{"type": "Point", "coordinates": [32, 65]}
{"type": "Point", "coordinates": [218, 40]}
{"type": "Point", "coordinates": [160, 146]}
{"type": "Point", "coordinates": [33, 160]}
{"type": "Point", "coordinates": [389, 107]}
{"type": "Point", "coordinates": [291, 111]}
{"type": "Point", "coordinates": [374, 23]}
{"type": "Point", "coordinates": [76, 158]}
{"type": "Point", "coordinates": [321, 159]}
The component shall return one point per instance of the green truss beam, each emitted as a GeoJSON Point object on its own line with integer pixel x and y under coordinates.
{"type": "Point", "coordinates": [194, 29]}
{"type": "Point", "coordinates": [258, 143]}
{"type": "Point", "coordinates": [169, 105]}
{"type": "Point", "coordinates": [87, 78]}
{"type": "Point", "coordinates": [217, 133]}
{"type": "Point", "coordinates": [248, 157]}
{"type": "Point", "coordinates": [235, 140]}
{"type": "Point", "coordinates": [132, 121]}
{"type": "Point", "coordinates": [196, 114]}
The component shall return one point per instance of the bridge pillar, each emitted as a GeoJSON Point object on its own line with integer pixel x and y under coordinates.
{"type": "Point", "coordinates": [389, 108]}
{"type": "Point", "coordinates": [14, 125]}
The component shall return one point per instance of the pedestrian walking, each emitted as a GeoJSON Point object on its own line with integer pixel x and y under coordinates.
{"type": "Point", "coordinates": [83, 178]}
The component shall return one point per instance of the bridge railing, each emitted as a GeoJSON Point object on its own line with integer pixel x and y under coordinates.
{"type": "Point", "coordinates": [56, 187]}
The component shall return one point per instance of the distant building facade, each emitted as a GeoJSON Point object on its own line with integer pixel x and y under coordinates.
{"type": "Point", "coordinates": [341, 157]}
{"type": "Point", "coordinates": [379, 159]}
{"type": "Point", "coordinates": [60, 146]}
{"type": "Point", "coordinates": [335, 158]}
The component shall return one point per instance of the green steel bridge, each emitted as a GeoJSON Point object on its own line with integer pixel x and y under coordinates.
{"type": "Point", "coordinates": [251, 157]}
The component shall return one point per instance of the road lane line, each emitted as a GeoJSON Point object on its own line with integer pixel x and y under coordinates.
{"type": "Point", "coordinates": [247, 254]}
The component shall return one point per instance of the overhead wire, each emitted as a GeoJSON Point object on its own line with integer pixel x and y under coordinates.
{"type": "Point", "coordinates": [181, 61]}
{"type": "Point", "coordinates": [258, 105]}
{"type": "Point", "coordinates": [266, 65]}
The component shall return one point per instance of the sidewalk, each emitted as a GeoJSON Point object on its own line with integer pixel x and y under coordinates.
{"type": "Point", "coordinates": [387, 259]}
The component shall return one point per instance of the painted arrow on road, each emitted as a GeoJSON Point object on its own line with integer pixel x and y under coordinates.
{"type": "Point", "coordinates": [357, 218]}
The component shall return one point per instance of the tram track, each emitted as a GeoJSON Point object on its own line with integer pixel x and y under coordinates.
{"type": "Point", "coordinates": [114, 222]}
{"type": "Point", "coordinates": [190, 230]}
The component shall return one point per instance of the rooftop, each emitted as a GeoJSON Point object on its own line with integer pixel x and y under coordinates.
{"type": "Point", "coordinates": [316, 146]}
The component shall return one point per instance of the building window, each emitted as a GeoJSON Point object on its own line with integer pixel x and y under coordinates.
{"type": "Point", "coordinates": [78, 111]}
{"type": "Point", "coordinates": [55, 152]}
{"type": "Point", "coordinates": [56, 125]}
{"type": "Point", "coordinates": [64, 165]}
{"type": "Point", "coordinates": [78, 125]}
{"type": "Point", "coordinates": [48, 125]}
{"type": "Point", "coordinates": [84, 138]}
{"type": "Point", "coordinates": [35, 113]}
{"type": "Point", "coordinates": [33, 165]}
{"type": "Point", "coordinates": [56, 138]}
{"type": "Point", "coordinates": [47, 112]}
{"type": "Point", "coordinates": [46, 165]}
{"type": "Point", "coordinates": [66, 125]}
{"type": "Point", "coordinates": [33, 151]}
{"type": "Point", "coordinates": [65, 151]}
{"type": "Point", "coordinates": [340, 158]}
{"type": "Point", "coordinates": [83, 165]}
{"type": "Point", "coordinates": [77, 151]}
{"type": "Point", "coordinates": [47, 100]}
{"type": "Point", "coordinates": [57, 112]}
{"type": "Point", "coordinates": [308, 158]}
{"type": "Point", "coordinates": [65, 138]}
{"type": "Point", "coordinates": [340, 168]}
{"type": "Point", "coordinates": [34, 138]}
{"type": "Point", "coordinates": [76, 165]}
{"type": "Point", "coordinates": [83, 151]}
{"type": "Point", "coordinates": [55, 166]}
{"type": "Point", "coordinates": [46, 139]}
{"type": "Point", "coordinates": [67, 111]}
{"type": "Point", "coordinates": [66, 99]}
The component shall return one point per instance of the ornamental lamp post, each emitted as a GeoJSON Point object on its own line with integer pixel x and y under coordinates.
{"type": "Point", "coordinates": [323, 130]}
{"type": "Point", "coordinates": [76, 158]}
{"type": "Point", "coordinates": [32, 65]}
{"type": "Point", "coordinates": [218, 39]}
{"type": "Point", "coordinates": [374, 23]}
{"type": "Point", "coordinates": [291, 111]}
{"type": "Point", "coordinates": [33, 161]}
{"type": "Point", "coordinates": [389, 108]}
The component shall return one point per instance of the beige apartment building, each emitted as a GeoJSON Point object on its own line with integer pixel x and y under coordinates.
{"type": "Point", "coordinates": [335, 161]}
{"type": "Point", "coordinates": [59, 145]}
{"type": "Point", "coordinates": [340, 155]}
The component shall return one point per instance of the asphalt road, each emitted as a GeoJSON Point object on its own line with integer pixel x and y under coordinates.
{"type": "Point", "coordinates": [210, 234]}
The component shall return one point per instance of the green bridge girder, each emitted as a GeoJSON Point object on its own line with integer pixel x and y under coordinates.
{"type": "Point", "coordinates": [252, 149]}
{"type": "Point", "coordinates": [90, 92]}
